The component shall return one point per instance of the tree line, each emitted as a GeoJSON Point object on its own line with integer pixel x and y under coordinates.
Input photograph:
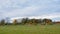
{"type": "Point", "coordinates": [29, 21]}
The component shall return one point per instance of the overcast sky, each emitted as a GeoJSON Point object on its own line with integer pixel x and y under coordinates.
{"type": "Point", "coordinates": [21, 8]}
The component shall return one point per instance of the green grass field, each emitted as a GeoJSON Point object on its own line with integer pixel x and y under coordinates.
{"type": "Point", "coordinates": [30, 29]}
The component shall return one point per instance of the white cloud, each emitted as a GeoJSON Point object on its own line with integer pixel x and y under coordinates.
{"type": "Point", "coordinates": [19, 12]}
{"type": "Point", "coordinates": [49, 16]}
{"type": "Point", "coordinates": [14, 8]}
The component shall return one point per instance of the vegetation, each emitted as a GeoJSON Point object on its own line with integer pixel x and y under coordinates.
{"type": "Point", "coordinates": [2, 22]}
{"type": "Point", "coordinates": [30, 29]}
{"type": "Point", "coordinates": [30, 26]}
{"type": "Point", "coordinates": [37, 21]}
{"type": "Point", "coordinates": [15, 22]}
{"type": "Point", "coordinates": [30, 21]}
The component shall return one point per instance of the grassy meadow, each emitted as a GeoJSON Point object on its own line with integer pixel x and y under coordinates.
{"type": "Point", "coordinates": [30, 29]}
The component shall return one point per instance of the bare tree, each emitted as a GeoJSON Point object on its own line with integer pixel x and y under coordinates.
{"type": "Point", "coordinates": [2, 22]}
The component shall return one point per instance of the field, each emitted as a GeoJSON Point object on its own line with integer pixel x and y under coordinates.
{"type": "Point", "coordinates": [30, 29]}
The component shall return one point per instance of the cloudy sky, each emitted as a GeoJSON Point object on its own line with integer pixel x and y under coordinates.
{"type": "Point", "coordinates": [28, 8]}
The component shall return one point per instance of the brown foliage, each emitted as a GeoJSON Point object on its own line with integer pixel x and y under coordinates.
{"type": "Point", "coordinates": [15, 22]}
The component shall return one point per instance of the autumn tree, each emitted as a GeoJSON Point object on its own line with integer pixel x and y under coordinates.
{"type": "Point", "coordinates": [25, 20]}
{"type": "Point", "coordinates": [15, 22]}
{"type": "Point", "coordinates": [40, 21]}
{"type": "Point", "coordinates": [47, 21]}
{"type": "Point", "coordinates": [33, 21]}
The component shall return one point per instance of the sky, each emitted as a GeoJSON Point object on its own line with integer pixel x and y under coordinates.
{"type": "Point", "coordinates": [29, 8]}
